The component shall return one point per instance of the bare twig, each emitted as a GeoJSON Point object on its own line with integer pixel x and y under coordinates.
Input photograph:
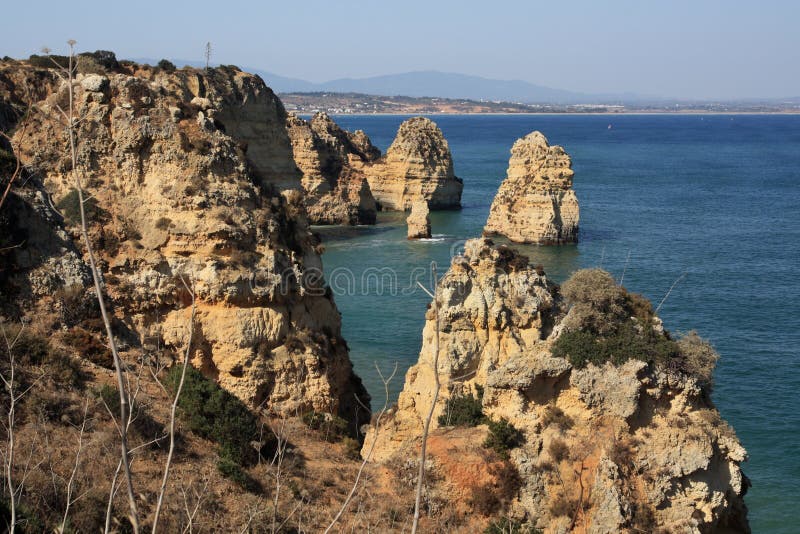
{"type": "Point", "coordinates": [174, 409]}
{"type": "Point", "coordinates": [675, 283]}
{"type": "Point", "coordinates": [628, 259]}
{"type": "Point", "coordinates": [18, 168]}
{"type": "Point", "coordinates": [437, 385]}
{"type": "Point", "coordinates": [8, 455]}
{"type": "Point", "coordinates": [280, 453]}
{"type": "Point", "coordinates": [71, 483]}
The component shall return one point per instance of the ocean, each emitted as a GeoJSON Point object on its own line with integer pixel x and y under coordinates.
{"type": "Point", "coordinates": [709, 201]}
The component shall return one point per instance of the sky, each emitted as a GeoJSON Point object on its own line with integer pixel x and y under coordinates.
{"type": "Point", "coordinates": [704, 49]}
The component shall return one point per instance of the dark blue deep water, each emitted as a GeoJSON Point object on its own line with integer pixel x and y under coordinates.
{"type": "Point", "coordinates": [715, 197]}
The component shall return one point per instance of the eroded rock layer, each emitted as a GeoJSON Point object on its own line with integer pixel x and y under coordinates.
{"type": "Point", "coordinates": [417, 166]}
{"type": "Point", "coordinates": [536, 203]}
{"type": "Point", "coordinates": [625, 447]}
{"type": "Point", "coordinates": [336, 189]}
{"type": "Point", "coordinates": [183, 171]}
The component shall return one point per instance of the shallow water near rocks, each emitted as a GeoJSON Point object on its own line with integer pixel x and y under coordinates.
{"type": "Point", "coordinates": [714, 197]}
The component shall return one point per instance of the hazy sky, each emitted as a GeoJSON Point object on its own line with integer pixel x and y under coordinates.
{"type": "Point", "coordinates": [680, 48]}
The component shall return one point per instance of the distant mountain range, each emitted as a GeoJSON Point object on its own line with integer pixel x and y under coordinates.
{"type": "Point", "coordinates": [436, 84]}
{"type": "Point", "coordinates": [431, 84]}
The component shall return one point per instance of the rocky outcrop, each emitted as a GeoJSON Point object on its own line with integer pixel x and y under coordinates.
{"type": "Point", "coordinates": [336, 190]}
{"type": "Point", "coordinates": [418, 221]}
{"type": "Point", "coordinates": [183, 170]}
{"type": "Point", "coordinates": [607, 448]}
{"type": "Point", "coordinates": [536, 203]}
{"type": "Point", "coordinates": [417, 166]}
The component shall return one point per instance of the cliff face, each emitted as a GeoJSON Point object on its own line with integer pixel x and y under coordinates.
{"type": "Point", "coordinates": [535, 203]}
{"type": "Point", "coordinates": [336, 190]}
{"type": "Point", "coordinates": [183, 171]}
{"type": "Point", "coordinates": [607, 447]}
{"type": "Point", "coordinates": [417, 166]}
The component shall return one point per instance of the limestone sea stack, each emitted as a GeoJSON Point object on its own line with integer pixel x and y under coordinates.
{"type": "Point", "coordinates": [650, 448]}
{"type": "Point", "coordinates": [536, 203]}
{"type": "Point", "coordinates": [419, 222]}
{"type": "Point", "coordinates": [183, 172]}
{"type": "Point", "coordinates": [417, 166]}
{"type": "Point", "coordinates": [331, 160]}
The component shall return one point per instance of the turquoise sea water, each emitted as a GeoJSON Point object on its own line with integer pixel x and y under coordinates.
{"type": "Point", "coordinates": [715, 197]}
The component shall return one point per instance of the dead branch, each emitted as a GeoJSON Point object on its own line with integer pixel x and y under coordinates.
{"type": "Point", "coordinates": [437, 385]}
{"type": "Point", "coordinates": [174, 409]}
{"type": "Point", "coordinates": [71, 482]}
{"type": "Point", "coordinates": [71, 127]}
{"type": "Point", "coordinates": [366, 459]}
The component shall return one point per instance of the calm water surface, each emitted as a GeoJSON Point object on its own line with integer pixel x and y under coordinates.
{"type": "Point", "coordinates": [715, 197]}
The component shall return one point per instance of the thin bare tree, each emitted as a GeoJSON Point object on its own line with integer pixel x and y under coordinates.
{"type": "Point", "coordinates": [72, 122]}
{"type": "Point", "coordinates": [174, 408]}
{"type": "Point", "coordinates": [437, 386]}
{"type": "Point", "coordinates": [71, 482]}
{"type": "Point", "coordinates": [368, 456]}
{"type": "Point", "coordinates": [9, 454]}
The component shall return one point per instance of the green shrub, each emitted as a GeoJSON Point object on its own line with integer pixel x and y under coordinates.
{"type": "Point", "coordinates": [698, 358]}
{"type": "Point", "coordinates": [8, 163]}
{"type": "Point", "coordinates": [626, 343]}
{"type": "Point", "coordinates": [110, 397]}
{"type": "Point", "coordinates": [105, 58]}
{"type": "Point", "coordinates": [607, 323]}
{"type": "Point", "coordinates": [163, 223]}
{"type": "Point", "coordinates": [462, 410]}
{"type": "Point", "coordinates": [352, 448]}
{"type": "Point", "coordinates": [503, 436]}
{"type": "Point", "coordinates": [215, 414]}
{"type": "Point", "coordinates": [166, 65]}
{"type": "Point", "coordinates": [555, 416]}
{"type": "Point", "coordinates": [558, 450]}
{"type": "Point", "coordinates": [510, 526]}
{"type": "Point", "coordinates": [29, 348]}
{"type": "Point", "coordinates": [234, 472]}
{"type": "Point", "coordinates": [332, 427]}
{"type": "Point", "coordinates": [49, 61]}
{"type": "Point", "coordinates": [70, 207]}
{"type": "Point", "coordinates": [89, 346]}
{"type": "Point", "coordinates": [596, 301]}
{"type": "Point", "coordinates": [33, 349]}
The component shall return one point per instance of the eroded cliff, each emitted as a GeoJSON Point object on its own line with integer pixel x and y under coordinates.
{"type": "Point", "coordinates": [536, 203]}
{"type": "Point", "coordinates": [417, 166]}
{"type": "Point", "coordinates": [336, 189]}
{"type": "Point", "coordinates": [184, 171]}
{"type": "Point", "coordinates": [612, 434]}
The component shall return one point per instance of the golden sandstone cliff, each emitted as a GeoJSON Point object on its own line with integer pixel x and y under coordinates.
{"type": "Point", "coordinates": [417, 166]}
{"type": "Point", "coordinates": [536, 203]}
{"type": "Point", "coordinates": [184, 171]}
{"type": "Point", "coordinates": [346, 180]}
{"type": "Point", "coordinates": [336, 190]}
{"type": "Point", "coordinates": [623, 445]}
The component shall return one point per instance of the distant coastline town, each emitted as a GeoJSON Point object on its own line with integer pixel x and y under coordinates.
{"type": "Point", "coordinates": [359, 103]}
